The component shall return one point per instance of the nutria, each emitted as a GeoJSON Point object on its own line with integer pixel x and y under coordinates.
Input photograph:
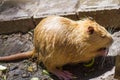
{"type": "Point", "coordinates": [59, 41]}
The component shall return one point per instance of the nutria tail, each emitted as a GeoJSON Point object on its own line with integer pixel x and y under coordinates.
{"type": "Point", "coordinates": [17, 56]}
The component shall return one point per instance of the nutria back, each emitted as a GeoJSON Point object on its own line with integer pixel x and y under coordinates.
{"type": "Point", "coordinates": [60, 40]}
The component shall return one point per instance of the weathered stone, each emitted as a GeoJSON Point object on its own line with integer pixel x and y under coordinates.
{"type": "Point", "coordinates": [19, 25]}
{"type": "Point", "coordinates": [104, 12]}
{"type": "Point", "coordinates": [15, 16]}
{"type": "Point", "coordinates": [115, 51]}
{"type": "Point", "coordinates": [25, 75]}
{"type": "Point", "coordinates": [117, 69]}
{"type": "Point", "coordinates": [13, 67]}
{"type": "Point", "coordinates": [34, 78]}
{"type": "Point", "coordinates": [56, 7]}
{"type": "Point", "coordinates": [15, 43]}
{"type": "Point", "coordinates": [107, 18]}
{"type": "Point", "coordinates": [24, 15]}
{"type": "Point", "coordinates": [97, 5]}
{"type": "Point", "coordinates": [115, 47]}
{"type": "Point", "coordinates": [72, 16]}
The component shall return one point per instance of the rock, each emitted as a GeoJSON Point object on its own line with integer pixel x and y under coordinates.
{"type": "Point", "coordinates": [115, 47]}
{"type": "Point", "coordinates": [32, 67]}
{"type": "Point", "coordinates": [115, 51]}
{"type": "Point", "coordinates": [25, 75]}
{"type": "Point", "coordinates": [45, 72]}
{"type": "Point", "coordinates": [2, 68]}
{"type": "Point", "coordinates": [104, 12]}
{"type": "Point", "coordinates": [34, 78]}
{"type": "Point", "coordinates": [15, 72]}
{"type": "Point", "coordinates": [117, 69]}
{"type": "Point", "coordinates": [13, 67]}
{"type": "Point", "coordinates": [15, 43]}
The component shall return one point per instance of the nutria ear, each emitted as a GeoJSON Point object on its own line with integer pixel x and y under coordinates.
{"type": "Point", "coordinates": [90, 30]}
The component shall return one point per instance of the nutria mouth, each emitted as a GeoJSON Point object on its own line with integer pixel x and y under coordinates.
{"type": "Point", "coordinates": [103, 51]}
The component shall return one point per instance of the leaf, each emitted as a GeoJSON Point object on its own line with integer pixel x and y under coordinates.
{"type": "Point", "coordinates": [45, 72]}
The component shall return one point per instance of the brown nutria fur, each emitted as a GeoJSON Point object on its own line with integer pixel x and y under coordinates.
{"type": "Point", "coordinates": [60, 41]}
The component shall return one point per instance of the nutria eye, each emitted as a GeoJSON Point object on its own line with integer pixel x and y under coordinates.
{"type": "Point", "coordinates": [90, 30]}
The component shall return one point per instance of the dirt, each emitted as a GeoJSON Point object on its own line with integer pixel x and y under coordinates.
{"type": "Point", "coordinates": [102, 69]}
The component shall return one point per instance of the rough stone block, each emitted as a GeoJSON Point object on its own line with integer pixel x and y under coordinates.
{"type": "Point", "coordinates": [117, 69]}
{"type": "Point", "coordinates": [107, 18]}
{"type": "Point", "coordinates": [15, 43]}
{"type": "Point", "coordinates": [89, 5]}
{"type": "Point", "coordinates": [55, 7]}
{"type": "Point", "coordinates": [72, 16]}
{"type": "Point", "coordinates": [16, 15]}
{"type": "Point", "coordinates": [104, 12]}
{"type": "Point", "coordinates": [19, 25]}
{"type": "Point", "coordinates": [23, 15]}
{"type": "Point", "coordinates": [115, 51]}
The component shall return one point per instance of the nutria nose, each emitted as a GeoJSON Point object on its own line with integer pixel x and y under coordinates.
{"type": "Point", "coordinates": [109, 38]}
{"type": "Point", "coordinates": [112, 40]}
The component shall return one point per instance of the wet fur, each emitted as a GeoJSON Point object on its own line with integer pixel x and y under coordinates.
{"type": "Point", "coordinates": [59, 41]}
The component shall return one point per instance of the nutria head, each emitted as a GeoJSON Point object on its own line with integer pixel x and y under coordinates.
{"type": "Point", "coordinates": [94, 39]}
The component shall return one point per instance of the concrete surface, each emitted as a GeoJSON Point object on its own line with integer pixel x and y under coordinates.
{"type": "Point", "coordinates": [115, 51]}
{"type": "Point", "coordinates": [92, 5]}
{"type": "Point", "coordinates": [17, 15]}
{"type": "Point", "coordinates": [24, 15]}
{"type": "Point", "coordinates": [107, 18]}
{"type": "Point", "coordinates": [65, 8]}
{"type": "Point", "coordinates": [117, 67]}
